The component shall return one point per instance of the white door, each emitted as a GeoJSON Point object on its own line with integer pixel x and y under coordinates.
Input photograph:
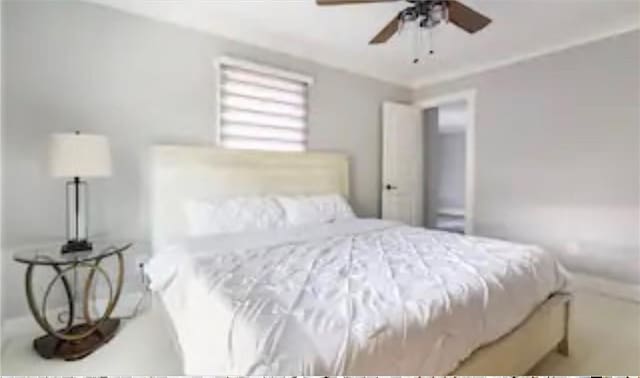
{"type": "Point", "coordinates": [402, 162]}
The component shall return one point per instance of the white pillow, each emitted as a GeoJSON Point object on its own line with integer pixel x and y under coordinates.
{"type": "Point", "coordinates": [231, 215]}
{"type": "Point", "coordinates": [315, 209]}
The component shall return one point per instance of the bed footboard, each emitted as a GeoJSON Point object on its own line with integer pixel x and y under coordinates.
{"type": "Point", "coordinates": [563, 345]}
{"type": "Point", "coordinates": [545, 330]}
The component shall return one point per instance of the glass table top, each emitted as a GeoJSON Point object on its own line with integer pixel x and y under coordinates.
{"type": "Point", "coordinates": [51, 254]}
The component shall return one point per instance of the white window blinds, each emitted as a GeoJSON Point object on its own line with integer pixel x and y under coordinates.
{"type": "Point", "coordinates": [262, 108]}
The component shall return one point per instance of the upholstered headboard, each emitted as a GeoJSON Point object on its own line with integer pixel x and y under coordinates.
{"type": "Point", "coordinates": [180, 173]}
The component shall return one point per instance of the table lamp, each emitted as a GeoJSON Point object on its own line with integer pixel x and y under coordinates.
{"type": "Point", "coordinates": [77, 156]}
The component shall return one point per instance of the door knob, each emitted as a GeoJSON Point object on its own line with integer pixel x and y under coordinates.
{"type": "Point", "coordinates": [390, 187]}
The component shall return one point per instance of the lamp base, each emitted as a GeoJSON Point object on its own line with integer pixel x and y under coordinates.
{"type": "Point", "coordinates": [77, 246]}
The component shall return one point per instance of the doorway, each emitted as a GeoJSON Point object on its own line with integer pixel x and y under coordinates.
{"type": "Point", "coordinates": [444, 155]}
{"type": "Point", "coordinates": [408, 195]}
{"type": "Point", "coordinates": [448, 166]}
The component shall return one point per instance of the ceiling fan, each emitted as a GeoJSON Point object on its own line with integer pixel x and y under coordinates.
{"type": "Point", "coordinates": [428, 14]}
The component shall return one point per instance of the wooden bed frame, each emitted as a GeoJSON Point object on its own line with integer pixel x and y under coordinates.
{"type": "Point", "coordinates": [180, 173]}
{"type": "Point", "coordinates": [544, 331]}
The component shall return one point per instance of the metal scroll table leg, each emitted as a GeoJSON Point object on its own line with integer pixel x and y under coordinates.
{"type": "Point", "coordinates": [113, 299]}
{"type": "Point", "coordinates": [51, 346]}
{"type": "Point", "coordinates": [75, 341]}
{"type": "Point", "coordinates": [31, 300]}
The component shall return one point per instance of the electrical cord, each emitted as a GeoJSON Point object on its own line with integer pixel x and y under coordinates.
{"type": "Point", "coordinates": [139, 306]}
{"type": "Point", "coordinates": [146, 292]}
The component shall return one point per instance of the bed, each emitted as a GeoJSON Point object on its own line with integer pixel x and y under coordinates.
{"type": "Point", "coordinates": [350, 297]}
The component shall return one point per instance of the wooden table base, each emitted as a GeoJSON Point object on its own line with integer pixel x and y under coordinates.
{"type": "Point", "coordinates": [49, 346]}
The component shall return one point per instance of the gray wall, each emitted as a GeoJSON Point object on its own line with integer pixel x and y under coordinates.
{"type": "Point", "coordinates": [431, 165]}
{"type": "Point", "coordinates": [451, 189]}
{"type": "Point", "coordinates": [444, 169]}
{"type": "Point", "coordinates": [71, 65]}
{"type": "Point", "coordinates": [557, 153]}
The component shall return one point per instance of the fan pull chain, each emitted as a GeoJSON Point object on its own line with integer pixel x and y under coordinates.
{"type": "Point", "coordinates": [417, 42]}
{"type": "Point", "coordinates": [431, 42]}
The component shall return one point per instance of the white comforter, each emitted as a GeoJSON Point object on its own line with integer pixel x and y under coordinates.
{"type": "Point", "coordinates": [358, 297]}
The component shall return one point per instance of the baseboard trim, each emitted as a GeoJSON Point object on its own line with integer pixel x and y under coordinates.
{"type": "Point", "coordinates": [605, 286]}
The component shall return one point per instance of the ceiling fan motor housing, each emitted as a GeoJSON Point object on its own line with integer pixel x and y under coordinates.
{"type": "Point", "coordinates": [433, 12]}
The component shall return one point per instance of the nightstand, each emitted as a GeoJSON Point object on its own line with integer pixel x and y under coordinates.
{"type": "Point", "coordinates": [74, 341]}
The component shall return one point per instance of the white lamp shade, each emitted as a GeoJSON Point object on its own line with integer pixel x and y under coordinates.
{"type": "Point", "coordinates": [80, 155]}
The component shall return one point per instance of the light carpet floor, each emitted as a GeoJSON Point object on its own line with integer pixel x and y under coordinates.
{"type": "Point", "coordinates": [604, 340]}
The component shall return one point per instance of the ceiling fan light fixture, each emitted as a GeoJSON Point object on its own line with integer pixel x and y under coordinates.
{"type": "Point", "coordinates": [438, 13]}
{"type": "Point", "coordinates": [409, 15]}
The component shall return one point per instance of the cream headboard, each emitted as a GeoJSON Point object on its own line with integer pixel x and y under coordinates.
{"type": "Point", "coordinates": [180, 173]}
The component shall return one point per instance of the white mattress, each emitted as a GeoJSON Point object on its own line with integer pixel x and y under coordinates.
{"type": "Point", "coordinates": [358, 297]}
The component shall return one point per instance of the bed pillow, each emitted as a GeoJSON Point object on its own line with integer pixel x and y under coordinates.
{"type": "Point", "coordinates": [231, 215]}
{"type": "Point", "coordinates": [315, 209]}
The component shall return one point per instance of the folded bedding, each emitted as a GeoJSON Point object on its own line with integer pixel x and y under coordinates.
{"type": "Point", "coordinates": [352, 297]}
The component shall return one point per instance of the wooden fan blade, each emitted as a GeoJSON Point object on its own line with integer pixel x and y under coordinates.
{"type": "Point", "coordinates": [387, 32]}
{"type": "Point", "coordinates": [466, 18]}
{"type": "Point", "coordinates": [343, 2]}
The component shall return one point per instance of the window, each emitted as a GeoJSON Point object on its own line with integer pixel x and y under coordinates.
{"type": "Point", "coordinates": [261, 108]}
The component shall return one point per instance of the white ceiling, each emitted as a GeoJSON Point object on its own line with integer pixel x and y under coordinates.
{"type": "Point", "coordinates": [339, 35]}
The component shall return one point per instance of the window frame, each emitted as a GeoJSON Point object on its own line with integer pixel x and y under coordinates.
{"type": "Point", "coordinates": [262, 69]}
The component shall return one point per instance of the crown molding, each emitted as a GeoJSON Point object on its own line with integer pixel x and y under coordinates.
{"type": "Point", "coordinates": [476, 69]}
